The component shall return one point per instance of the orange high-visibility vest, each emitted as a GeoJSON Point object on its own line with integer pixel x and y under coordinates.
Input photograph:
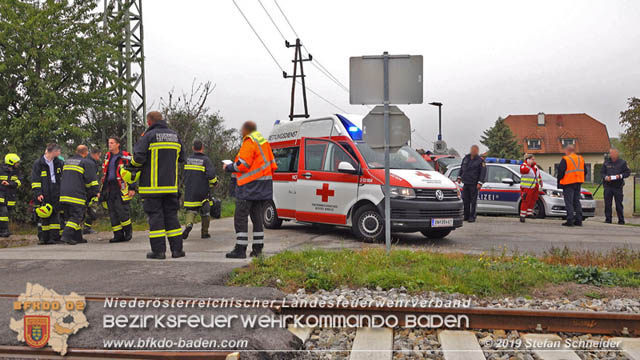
{"type": "Point", "coordinates": [254, 160]}
{"type": "Point", "coordinates": [575, 170]}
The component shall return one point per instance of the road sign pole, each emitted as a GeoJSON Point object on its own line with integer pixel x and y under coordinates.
{"type": "Point", "coordinates": [387, 165]}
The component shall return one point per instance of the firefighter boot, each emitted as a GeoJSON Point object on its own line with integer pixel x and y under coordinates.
{"type": "Point", "coordinates": [205, 227]}
{"type": "Point", "coordinates": [118, 236]}
{"type": "Point", "coordinates": [256, 250]}
{"type": "Point", "coordinates": [77, 237]}
{"type": "Point", "coordinates": [158, 249]}
{"type": "Point", "coordinates": [175, 244]}
{"type": "Point", "coordinates": [43, 237]}
{"type": "Point", "coordinates": [190, 218]}
{"type": "Point", "coordinates": [239, 252]}
{"type": "Point", "coordinates": [128, 232]}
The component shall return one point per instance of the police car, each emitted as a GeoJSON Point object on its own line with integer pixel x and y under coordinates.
{"type": "Point", "coordinates": [500, 194]}
{"type": "Point", "coordinates": [326, 174]}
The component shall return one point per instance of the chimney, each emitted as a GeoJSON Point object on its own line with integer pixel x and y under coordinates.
{"type": "Point", "coordinates": [540, 119]}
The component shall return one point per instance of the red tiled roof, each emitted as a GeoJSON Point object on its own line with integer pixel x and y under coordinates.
{"type": "Point", "coordinates": [590, 135]}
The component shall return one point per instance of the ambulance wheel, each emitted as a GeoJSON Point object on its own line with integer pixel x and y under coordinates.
{"type": "Point", "coordinates": [435, 234]}
{"type": "Point", "coordinates": [368, 224]}
{"type": "Point", "coordinates": [538, 210]}
{"type": "Point", "coordinates": [270, 216]}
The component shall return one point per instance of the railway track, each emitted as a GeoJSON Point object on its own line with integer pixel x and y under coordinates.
{"type": "Point", "coordinates": [463, 342]}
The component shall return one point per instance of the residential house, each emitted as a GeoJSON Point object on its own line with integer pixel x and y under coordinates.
{"type": "Point", "coordinates": [546, 135]}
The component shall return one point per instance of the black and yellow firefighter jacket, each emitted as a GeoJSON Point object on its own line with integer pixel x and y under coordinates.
{"type": "Point", "coordinates": [157, 154]}
{"type": "Point", "coordinates": [11, 175]}
{"type": "Point", "coordinates": [199, 176]}
{"type": "Point", "coordinates": [41, 183]}
{"type": "Point", "coordinates": [79, 183]}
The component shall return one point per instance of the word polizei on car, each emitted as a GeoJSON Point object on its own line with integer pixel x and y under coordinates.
{"type": "Point", "coordinates": [500, 194]}
{"type": "Point", "coordinates": [328, 175]}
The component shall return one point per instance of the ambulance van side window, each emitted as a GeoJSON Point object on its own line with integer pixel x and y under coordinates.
{"type": "Point", "coordinates": [335, 156]}
{"type": "Point", "coordinates": [314, 154]}
{"type": "Point", "coordinates": [286, 159]}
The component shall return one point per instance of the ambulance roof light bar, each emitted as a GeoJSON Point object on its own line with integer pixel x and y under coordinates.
{"type": "Point", "coordinates": [354, 132]}
{"type": "Point", "coordinates": [493, 160]}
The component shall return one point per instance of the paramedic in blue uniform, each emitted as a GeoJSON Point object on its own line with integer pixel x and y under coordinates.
{"type": "Point", "coordinates": [614, 171]}
{"type": "Point", "coordinates": [473, 173]}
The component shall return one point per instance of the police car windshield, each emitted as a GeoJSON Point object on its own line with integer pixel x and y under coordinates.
{"type": "Point", "coordinates": [546, 177]}
{"type": "Point", "coordinates": [405, 158]}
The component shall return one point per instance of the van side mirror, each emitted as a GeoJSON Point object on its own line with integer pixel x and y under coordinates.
{"type": "Point", "coordinates": [347, 168]}
{"type": "Point", "coordinates": [508, 181]}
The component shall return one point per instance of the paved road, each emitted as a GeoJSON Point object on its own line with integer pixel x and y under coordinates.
{"type": "Point", "coordinates": [487, 234]}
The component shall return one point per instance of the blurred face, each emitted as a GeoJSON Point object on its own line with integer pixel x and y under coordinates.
{"type": "Point", "coordinates": [96, 156]}
{"type": "Point", "coordinates": [474, 151]}
{"type": "Point", "coordinates": [114, 147]}
{"type": "Point", "coordinates": [531, 161]}
{"type": "Point", "coordinates": [614, 154]}
{"type": "Point", "coordinates": [56, 153]}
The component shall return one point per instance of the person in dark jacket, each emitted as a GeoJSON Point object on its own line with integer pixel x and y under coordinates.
{"type": "Point", "coordinates": [473, 173]}
{"type": "Point", "coordinates": [157, 155]}
{"type": "Point", "coordinates": [252, 185]}
{"type": "Point", "coordinates": [199, 176]}
{"type": "Point", "coordinates": [46, 175]}
{"type": "Point", "coordinates": [78, 186]}
{"type": "Point", "coordinates": [116, 192]}
{"type": "Point", "coordinates": [9, 183]}
{"type": "Point", "coordinates": [614, 171]}
{"type": "Point", "coordinates": [92, 215]}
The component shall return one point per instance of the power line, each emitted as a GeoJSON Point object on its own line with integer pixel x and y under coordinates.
{"type": "Point", "coordinates": [276, 61]}
{"type": "Point", "coordinates": [258, 36]}
{"type": "Point", "coordinates": [272, 21]}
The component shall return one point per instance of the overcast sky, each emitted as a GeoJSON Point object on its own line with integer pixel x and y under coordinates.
{"type": "Point", "coordinates": [482, 59]}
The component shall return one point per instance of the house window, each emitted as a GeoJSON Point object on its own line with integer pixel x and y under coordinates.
{"type": "Point", "coordinates": [533, 144]}
{"type": "Point", "coordinates": [567, 142]}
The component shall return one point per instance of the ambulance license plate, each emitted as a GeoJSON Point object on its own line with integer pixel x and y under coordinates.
{"type": "Point", "coordinates": [441, 222]}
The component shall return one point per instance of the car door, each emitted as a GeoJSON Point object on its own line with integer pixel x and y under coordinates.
{"type": "Point", "coordinates": [497, 197]}
{"type": "Point", "coordinates": [323, 194]}
{"type": "Point", "coordinates": [284, 180]}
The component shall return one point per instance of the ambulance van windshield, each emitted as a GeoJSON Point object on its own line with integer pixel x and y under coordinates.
{"type": "Point", "coordinates": [404, 158]}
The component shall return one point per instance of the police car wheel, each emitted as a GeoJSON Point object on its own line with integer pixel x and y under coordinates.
{"type": "Point", "coordinates": [435, 234]}
{"type": "Point", "coordinates": [270, 216]}
{"type": "Point", "coordinates": [368, 225]}
{"type": "Point", "coordinates": [538, 210]}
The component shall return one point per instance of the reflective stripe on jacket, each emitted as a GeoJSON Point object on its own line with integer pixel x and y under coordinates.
{"type": "Point", "coordinates": [254, 160]}
{"type": "Point", "coordinates": [530, 177]}
{"type": "Point", "coordinates": [79, 183]}
{"type": "Point", "coordinates": [122, 160]}
{"type": "Point", "coordinates": [575, 170]}
{"type": "Point", "coordinates": [253, 169]}
{"type": "Point", "coordinates": [157, 153]}
{"type": "Point", "coordinates": [41, 179]}
{"type": "Point", "coordinates": [199, 175]}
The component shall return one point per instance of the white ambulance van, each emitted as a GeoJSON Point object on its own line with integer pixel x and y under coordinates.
{"type": "Point", "coordinates": [328, 175]}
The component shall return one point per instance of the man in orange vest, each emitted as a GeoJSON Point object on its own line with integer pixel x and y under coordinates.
{"type": "Point", "coordinates": [252, 185]}
{"type": "Point", "coordinates": [570, 178]}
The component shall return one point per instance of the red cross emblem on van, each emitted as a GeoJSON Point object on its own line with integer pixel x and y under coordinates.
{"type": "Point", "coordinates": [325, 192]}
{"type": "Point", "coordinates": [424, 175]}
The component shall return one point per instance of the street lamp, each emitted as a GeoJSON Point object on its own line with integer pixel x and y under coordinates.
{"type": "Point", "coordinates": [439, 105]}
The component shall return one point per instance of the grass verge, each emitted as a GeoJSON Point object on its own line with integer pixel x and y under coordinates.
{"type": "Point", "coordinates": [481, 275]}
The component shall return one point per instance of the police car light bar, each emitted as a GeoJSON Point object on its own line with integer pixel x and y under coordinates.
{"type": "Point", "coordinates": [502, 161]}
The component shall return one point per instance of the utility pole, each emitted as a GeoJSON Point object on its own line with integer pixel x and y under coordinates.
{"type": "Point", "coordinates": [131, 68]}
{"type": "Point", "coordinates": [297, 61]}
